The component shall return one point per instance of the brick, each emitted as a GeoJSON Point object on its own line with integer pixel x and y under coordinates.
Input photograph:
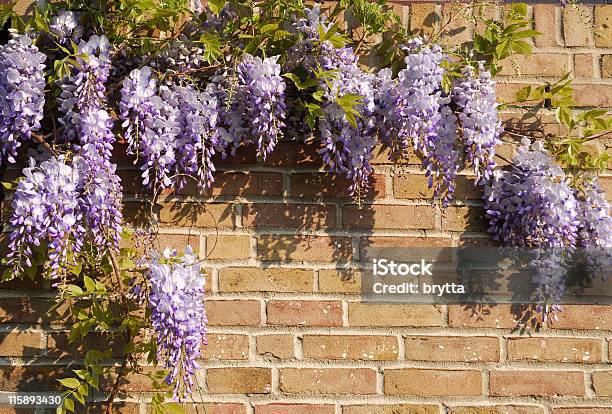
{"type": "Point", "coordinates": [28, 310]}
{"type": "Point", "coordinates": [16, 344]}
{"type": "Point", "coordinates": [602, 383]}
{"type": "Point", "coordinates": [340, 281]}
{"type": "Point", "coordinates": [245, 155]}
{"type": "Point", "coordinates": [584, 317]}
{"type": "Point", "coordinates": [606, 66]}
{"type": "Point", "coordinates": [459, 29]}
{"type": "Point", "coordinates": [463, 219]}
{"type": "Point", "coordinates": [459, 348]}
{"type": "Point", "coordinates": [369, 217]}
{"type": "Point", "coordinates": [228, 247]}
{"type": "Point", "coordinates": [581, 410]}
{"type": "Point", "coordinates": [213, 408]}
{"type": "Point", "coordinates": [410, 248]}
{"type": "Point", "coordinates": [391, 409]}
{"type": "Point", "coordinates": [536, 383]}
{"type": "Point", "coordinates": [423, 18]}
{"type": "Point", "coordinates": [593, 95]}
{"type": "Point", "coordinates": [246, 184]}
{"type": "Point", "coordinates": [239, 380]}
{"type": "Point", "coordinates": [578, 350]}
{"type": "Point", "coordinates": [350, 347]}
{"type": "Point", "coordinates": [289, 216]}
{"type": "Point", "coordinates": [197, 215]}
{"type": "Point", "coordinates": [497, 409]}
{"type": "Point", "coordinates": [545, 20]}
{"type": "Point", "coordinates": [549, 64]}
{"type": "Point", "coordinates": [371, 314]}
{"type": "Point", "coordinates": [411, 186]}
{"type": "Point", "coordinates": [138, 213]}
{"type": "Point", "coordinates": [31, 378]}
{"type": "Point", "coordinates": [506, 92]}
{"type": "Point", "coordinates": [295, 408]}
{"type": "Point", "coordinates": [577, 22]}
{"type": "Point", "coordinates": [119, 407]}
{"type": "Point", "coordinates": [295, 154]}
{"type": "Point", "coordinates": [603, 26]}
{"type": "Point", "coordinates": [131, 181]}
{"type": "Point", "coordinates": [305, 313]}
{"type": "Point", "coordinates": [432, 382]}
{"type": "Point", "coordinates": [304, 248]}
{"type": "Point", "coordinates": [226, 347]}
{"type": "Point", "coordinates": [6, 409]}
{"type": "Point", "coordinates": [583, 65]}
{"type": "Point", "coordinates": [248, 279]}
{"type": "Point", "coordinates": [233, 312]}
{"type": "Point", "coordinates": [277, 346]}
{"type": "Point", "coordinates": [358, 381]}
{"type": "Point", "coordinates": [58, 345]}
{"type": "Point", "coordinates": [327, 185]}
{"type": "Point", "coordinates": [493, 316]}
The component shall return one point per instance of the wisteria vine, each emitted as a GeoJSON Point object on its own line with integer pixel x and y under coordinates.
{"type": "Point", "coordinates": [190, 99]}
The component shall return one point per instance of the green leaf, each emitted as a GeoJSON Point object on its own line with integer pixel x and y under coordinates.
{"type": "Point", "coordinates": [216, 5]}
{"type": "Point", "coordinates": [521, 47]}
{"type": "Point", "coordinates": [174, 408]}
{"type": "Point", "coordinates": [520, 9]}
{"type": "Point", "coordinates": [69, 382]}
{"type": "Point", "coordinates": [69, 404]}
{"type": "Point", "coordinates": [74, 290]}
{"type": "Point", "coordinates": [266, 28]}
{"type": "Point", "coordinates": [563, 115]}
{"type": "Point", "coordinates": [525, 33]}
{"type": "Point", "coordinates": [481, 45]}
{"type": "Point", "coordinates": [90, 285]}
{"type": "Point", "coordinates": [523, 94]}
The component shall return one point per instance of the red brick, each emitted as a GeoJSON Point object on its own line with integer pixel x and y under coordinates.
{"type": "Point", "coordinates": [371, 314]}
{"type": "Point", "coordinates": [295, 408]}
{"type": "Point", "coordinates": [17, 344]}
{"type": "Point", "coordinates": [28, 310]}
{"type": "Point", "coordinates": [245, 155]}
{"type": "Point", "coordinates": [458, 348]}
{"type": "Point", "coordinates": [246, 184]}
{"type": "Point", "coordinates": [289, 216]}
{"type": "Point", "coordinates": [423, 18]}
{"type": "Point", "coordinates": [548, 64]}
{"type": "Point", "coordinates": [295, 154]}
{"type": "Point", "coordinates": [584, 317]}
{"type": "Point", "coordinates": [603, 25]}
{"type": "Point", "coordinates": [369, 217]}
{"type": "Point", "coordinates": [536, 383]}
{"type": "Point", "coordinates": [358, 381]}
{"type": "Point", "coordinates": [328, 185]}
{"type": "Point", "coordinates": [545, 19]}
{"type": "Point", "coordinates": [214, 408]}
{"type": "Point", "coordinates": [487, 316]}
{"type": "Point", "coordinates": [602, 383]}
{"type": "Point", "coordinates": [197, 215]}
{"type": "Point", "coordinates": [31, 378]}
{"type": "Point", "coordinates": [233, 312]}
{"type": "Point", "coordinates": [350, 347]}
{"type": "Point", "coordinates": [497, 409]}
{"type": "Point", "coordinates": [578, 350]}
{"type": "Point", "coordinates": [274, 279]}
{"type": "Point", "coordinates": [340, 281]}
{"type": "Point", "coordinates": [583, 65]}
{"type": "Point", "coordinates": [577, 25]}
{"type": "Point", "coordinates": [275, 345]}
{"type": "Point", "coordinates": [463, 219]}
{"type": "Point", "coordinates": [593, 95]}
{"type": "Point", "coordinates": [226, 347]}
{"type": "Point", "coordinates": [305, 313]}
{"type": "Point", "coordinates": [304, 248]}
{"type": "Point", "coordinates": [391, 409]}
{"type": "Point", "coordinates": [228, 247]}
{"type": "Point", "coordinates": [432, 382]}
{"type": "Point", "coordinates": [239, 380]}
{"type": "Point", "coordinates": [581, 410]}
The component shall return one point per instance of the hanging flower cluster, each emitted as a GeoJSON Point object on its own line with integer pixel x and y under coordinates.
{"type": "Point", "coordinates": [532, 205]}
{"type": "Point", "coordinates": [176, 300]}
{"type": "Point", "coordinates": [22, 98]}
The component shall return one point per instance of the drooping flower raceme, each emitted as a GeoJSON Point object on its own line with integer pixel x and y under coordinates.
{"type": "Point", "coordinates": [531, 205]}
{"type": "Point", "coordinates": [176, 300]}
{"type": "Point", "coordinates": [22, 84]}
{"type": "Point", "coordinates": [46, 210]}
{"type": "Point", "coordinates": [66, 26]}
{"type": "Point", "coordinates": [595, 230]}
{"type": "Point", "coordinates": [480, 124]}
{"type": "Point", "coordinates": [263, 92]}
{"type": "Point", "coordinates": [88, 127]}
{"type": "Point", "coordinates": [151, 121]}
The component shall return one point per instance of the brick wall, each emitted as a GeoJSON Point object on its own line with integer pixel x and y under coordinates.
{"type": "Point", "coordinates": [283, 245]}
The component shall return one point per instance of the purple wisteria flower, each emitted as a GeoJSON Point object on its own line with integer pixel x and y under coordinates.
{"type": "Point", "coordinates": [480, 124]}
{"type": "Point", "coordinates": [66, 26]}
{"type": "Point", "coordinates": [176, 300]}
{"type": "Point", "coordinates": [22, 98]}
{"type": "Point", "coordinates": [46, 211]}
